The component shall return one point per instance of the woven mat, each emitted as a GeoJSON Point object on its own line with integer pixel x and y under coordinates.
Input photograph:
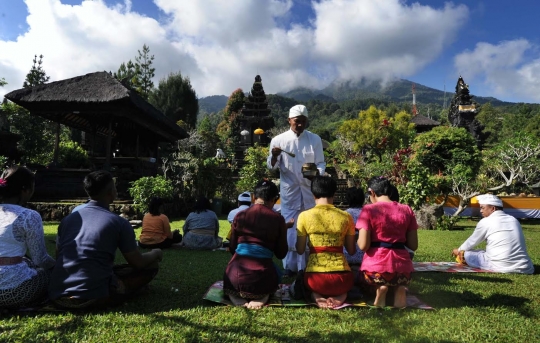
{"type": "Point", "coordinates": [446, 267]}
{"type": "Point", "coordinates": [282, 298]}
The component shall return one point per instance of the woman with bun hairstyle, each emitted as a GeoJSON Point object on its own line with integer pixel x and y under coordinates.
{"type": "Point", "coordinates": [22, 280]}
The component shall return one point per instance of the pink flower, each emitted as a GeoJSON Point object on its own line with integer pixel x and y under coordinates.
{"type": "Point", "coordinates": [3, 183]}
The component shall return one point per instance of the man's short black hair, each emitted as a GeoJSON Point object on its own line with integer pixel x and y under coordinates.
{"type": "Point", "coordinates": [266, 190]}
{"type": "Point", "coordinates": [355, 197]}
{"type": "Point", "coordinates": [96, 182]}
{"type": "Point", "coordinates": [323, 187]}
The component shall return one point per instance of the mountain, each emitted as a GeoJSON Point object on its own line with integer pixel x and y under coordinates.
{"type": "Point", "coordinates": [399, 90]}
{"type": "Point", "coordinates": [212, 104]}
{"type": "Point", "coordinates": [349, 94]}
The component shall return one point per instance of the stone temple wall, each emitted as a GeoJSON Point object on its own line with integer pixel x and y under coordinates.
{"type": "Point", "coordinates": [55, 212]}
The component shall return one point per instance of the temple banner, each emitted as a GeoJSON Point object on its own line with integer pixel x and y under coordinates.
{"type": "Point", "coordinates": [519, 207]}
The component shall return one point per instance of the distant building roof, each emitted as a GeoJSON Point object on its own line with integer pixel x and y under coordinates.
{"type": "Point", "coordinates": [88, 102]}
{"type": "Point", "coordinates": [420, 120]}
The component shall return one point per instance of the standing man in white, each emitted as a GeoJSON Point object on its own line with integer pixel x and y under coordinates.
{"type": "Point", "coordinates": [295, 190]}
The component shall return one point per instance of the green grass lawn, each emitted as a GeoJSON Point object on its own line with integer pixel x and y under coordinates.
{"type": "Point", "coordinates": [469, 307]}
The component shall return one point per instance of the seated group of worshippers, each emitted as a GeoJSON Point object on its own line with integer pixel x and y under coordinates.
{"type": "Point", "coordinates": [83, 275]}
{"type": "Point", "coordinates": [379, 239]}
{"type": "Point", "coordinates": [259, 233]}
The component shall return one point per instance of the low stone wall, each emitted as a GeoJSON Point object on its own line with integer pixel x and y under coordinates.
{"type": "Point", "coordinates": [57, 211]}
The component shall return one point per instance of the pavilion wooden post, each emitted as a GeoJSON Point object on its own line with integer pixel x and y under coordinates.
{"type": "Point", "coordinates": [107, 165]}
{"type": "Point", "coordinates": [56, 146]}
{"type": "Point", "coordinates": [137, 147]}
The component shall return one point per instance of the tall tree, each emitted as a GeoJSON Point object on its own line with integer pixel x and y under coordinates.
{"type": "Point", "coordinates": [37, 75]}
{"type": "Point", "coordinates": [40, 135]}
{"type": "Point", "coordinates": [227, 129]}
{"type": "Point", "coordinates": [145, 71]}
{"type": "Point", "coordinates": [516, 159]}
{"type": "Point", "coordinates": [374, 133]}
{"type": "Point", "coordinates": [3, 82]}
{"type": "Point", "coordinates": [128, 74]}
{"type": "Point", "coordinates": [176, 98]}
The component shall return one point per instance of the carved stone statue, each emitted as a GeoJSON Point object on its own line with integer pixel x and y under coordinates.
{"type": "Point", "coordinates": [463, 110]}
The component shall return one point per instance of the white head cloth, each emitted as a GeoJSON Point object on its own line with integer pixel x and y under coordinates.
{"type": "Point", "coordinates": [298, 110]}
{"type": "Point", "coordinates": [246, 196]}
{"type": "Point", "coordinates": [489, 199]}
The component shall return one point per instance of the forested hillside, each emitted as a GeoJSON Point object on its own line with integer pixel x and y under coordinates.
{"type": "Point", "coordinates": [329, 107]}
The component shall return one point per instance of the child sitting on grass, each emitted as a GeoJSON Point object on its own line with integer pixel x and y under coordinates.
{"type": "Point", "coordinates": [385, 228]}
{"type": "Point", "coordinates": [328, 275]}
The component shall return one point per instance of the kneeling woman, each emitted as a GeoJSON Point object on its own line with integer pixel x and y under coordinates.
{"type": "Point", "coordinates": [328, 275]}
{"type": "Point", "coordinates": [386, 229]}
{"type": "Point", "coordinates": [257, 234]}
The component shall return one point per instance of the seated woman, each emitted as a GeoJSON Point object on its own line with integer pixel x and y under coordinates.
{"type": "Point", "coordinates": [201, 228]}
{"type": "Point", "coordinates": [386, 228]}
{"type": "Point", "coordinates": [257, 234]}
{"type": "Point", "coordinates": [328, 275]}
{"type": "Point", "coordinates": [355, 198]}
{"type": "Point", "coordinates": [22, 281]}
{"type": "Point", "coordinates": [156, 229]}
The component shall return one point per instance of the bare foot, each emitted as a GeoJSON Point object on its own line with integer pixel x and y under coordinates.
{"type": "Point", "coordinates": [400, 297]}
{"type": "Point", "coordinates": [321, 301]}
{"type": "Point", "coordinates": [258, 304]}
{"type": "Point", "coordinates": [380, 299]}
{"type": "Point", "coordinates": [336, 301]}
{"type": "Point", "coordinates": [237, 301]}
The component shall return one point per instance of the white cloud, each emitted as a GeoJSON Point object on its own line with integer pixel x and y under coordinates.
{"type": "Point", "coordinates": [504, 68]}
{"type": "Point", "coordinates": [222, 45]}
{"type": "Point", "coordinates": [86, 38]}
{"type": "Point", "coordinates": [383, 39]}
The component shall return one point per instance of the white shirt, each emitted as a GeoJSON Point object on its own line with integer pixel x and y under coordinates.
{"type": "Point", "coordinates": [233, 213]}
{"type": "Point", "coordinates": [21, 230]}
{"type": "Point", "coordinates": [505, 243]}
{"type": "Point", "coordinates": [295, 190]}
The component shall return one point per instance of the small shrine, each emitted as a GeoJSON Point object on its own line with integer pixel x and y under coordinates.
{"type": "Point", "coordinates": [463, 111]}
{"type": "Point", "coordinates": [254, 120]}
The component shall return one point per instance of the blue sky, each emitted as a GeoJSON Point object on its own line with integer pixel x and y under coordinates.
{"type": "Point", "coordinates": [222, 45]}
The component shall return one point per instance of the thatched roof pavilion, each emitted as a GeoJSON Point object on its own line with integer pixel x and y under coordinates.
{"type": "Point", "coordinates": [97, 103]}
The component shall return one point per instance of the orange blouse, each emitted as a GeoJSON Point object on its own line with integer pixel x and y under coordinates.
{"type": "Point", "coordinates": [155, 229]}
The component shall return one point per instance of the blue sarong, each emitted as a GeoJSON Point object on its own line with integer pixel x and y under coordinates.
{"type": "Point", "coordinates": [257, 251]}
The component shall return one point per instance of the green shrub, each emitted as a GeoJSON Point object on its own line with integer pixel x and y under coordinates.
{"type": "Point", "coordinates": [147, 187]}
{"type": "Point", "coordinates": [254, 169]}
{"type": "Point", "coordinates": [72, 155]}
{"type": "Point", "coordinates": [3, 162]}
{"type": "Point", "coordinates": [446, 223]}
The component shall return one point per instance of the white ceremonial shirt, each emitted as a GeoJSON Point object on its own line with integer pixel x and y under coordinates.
{"type": "Point", "coordinates": [295, 190]}
{"type": "Point", "coordinates": [233, 213]}
{"type": "Point", "coordinates": [505, 243]}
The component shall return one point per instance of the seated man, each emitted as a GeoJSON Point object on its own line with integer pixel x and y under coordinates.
{"type": "Point", "coordinates": [505, 249]}
{"type": "Point", "coordinates": [84, 275]}
{"type": "Point", "coordinates": [244, 202]}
